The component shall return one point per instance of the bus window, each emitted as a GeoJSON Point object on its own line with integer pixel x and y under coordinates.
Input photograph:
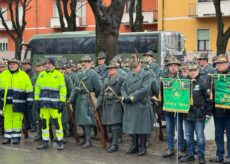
{"type": "Point", "coordinates": [126, 44]}
{"type": "Point", "coordinates": [173, 41]}
{"type": "Point", "coordinates": [63, 46]}
{"type": "Point", "coordinates": [146, 43]}
{"type": "Point", "coordinates": [83, 45]}
{"type": "Point", "coordinates": [43, 46]}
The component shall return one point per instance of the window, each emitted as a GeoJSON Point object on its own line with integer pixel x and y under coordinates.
{"type": "Point", "coordinates": [55, 11]}
{"type": "Point", "coordinates": [203, 39]}
{"type": "Point", "coordinates": [63, 46]}
{"type": "Point", "coordinates": [43, 46]}
{"type": "Point", "coordinates": [3, 44]}
{"type": "Point", "coordinates": [83, 45]}
{"type": "Point", "coordinates": [81, 11]}
{"type": "Point", "coordinates": [127, 6]}
{"type": "Point", "coordinates": [5, 13]}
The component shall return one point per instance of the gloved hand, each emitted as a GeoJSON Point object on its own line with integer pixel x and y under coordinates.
{"type": "Point", "coordinates": [127, 100]}
{"type": "Point", "coordinates": [37, 105]}
{"type": "Point", "coordinates": [61, 106]}
{"type": "Point", "coordinates": [1, 112]}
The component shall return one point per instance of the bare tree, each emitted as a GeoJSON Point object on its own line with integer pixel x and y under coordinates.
{"type": "Point", "coordinates": [108, 20]}
{"type": "Point", "coordinates": [136, 26]}
{"type": "Point", "coordinates": [67, 10]}
{"type": "Point", "coordinates": [18, 24]}
{"type": "Point", "coordinates": [222, 36]}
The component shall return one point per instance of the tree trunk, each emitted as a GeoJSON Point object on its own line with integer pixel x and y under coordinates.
{"type": "Point", "coordinates": [18, 48]}
{"type": "Point", "coordinates": [139, 17]}
{"type": "Point", "coordinates": [222, 37]}
{"type": "Point", "coordinates": [108, 20]}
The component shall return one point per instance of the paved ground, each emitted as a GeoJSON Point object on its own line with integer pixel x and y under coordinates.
{"type": "Point", "coordinates": [26, 153]}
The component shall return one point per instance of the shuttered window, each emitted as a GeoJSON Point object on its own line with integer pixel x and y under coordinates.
{"type": "Point", "coordinates": [203, 40]}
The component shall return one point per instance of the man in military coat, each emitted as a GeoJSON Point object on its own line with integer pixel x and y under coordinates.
{"type": "Point", "coordinates": [110, 104]}
{"type": "Point", "coordinates": [101, 68]}
{"type": "Point", "coordinates": [137, 114]}
{"type": "Point", "coordinates": [86, 81]}
{"type": "Point", "coordinates": [153, 65]}
{"type": "Point", "coordinates": [205, 68]}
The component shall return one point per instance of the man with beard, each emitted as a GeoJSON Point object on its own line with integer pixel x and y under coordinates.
{"type": "Point", "coordinates": [16, 94]}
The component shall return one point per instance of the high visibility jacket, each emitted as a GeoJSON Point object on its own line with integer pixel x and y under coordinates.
{"type": "Point", "coordinates": [16, 89]}
{"type": "Point", "coordinates": [50, 89]}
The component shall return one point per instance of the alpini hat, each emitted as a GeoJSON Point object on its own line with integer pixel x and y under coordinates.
{"type": "Point", "coordinates": [2, 63]}
{"type": "Point", "coordinates": [14, 60]}
{"type": "Point", "coordinates": [149, 53]}
{"type": "Point", "coordinates": [193, 65]}
{"type": "Point", "coordinates": [221, 59]}
{"type": "Point", "coordinates": [26, 61]}
{"type": "Point", "coordinates": [112, 64]}
{"type": "Point", "coordinates": [173, 60]}
{"type": "Point", "coordinates": [86, 58]}
{"type": "Point", "coordinates": [203, 56]}
{"type": "Point", "coordinates": [101, 55]}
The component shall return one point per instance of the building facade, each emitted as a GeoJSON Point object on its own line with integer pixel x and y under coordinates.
{"type": "Point", "coordinates": [43, 18]}
{"type": "Point", "coordinates": [196, 20]}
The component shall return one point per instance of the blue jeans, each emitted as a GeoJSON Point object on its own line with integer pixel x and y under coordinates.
{"type": "Point", "coordinates": [198, 127]}
{"type": "Point", "coordinates": [222, 124]}
{"type": "Point", "coordinates": [171, 123]}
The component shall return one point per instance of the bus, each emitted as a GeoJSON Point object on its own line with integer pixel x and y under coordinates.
{"type": "Point", "coordinates": [72, 45]}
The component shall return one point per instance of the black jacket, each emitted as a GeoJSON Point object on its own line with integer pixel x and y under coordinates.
{"type": "Point", "coordinates": [201, 103]}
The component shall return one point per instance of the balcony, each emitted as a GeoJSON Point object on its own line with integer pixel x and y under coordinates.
{"type": "Point", "coordinates": [55, 22]}
{"type": "Point", "coordinates": [205, 8]}
{"type": "Point", "coordinates": [9, 24]}
{"type": "Point", "coordinates": [149, 17]}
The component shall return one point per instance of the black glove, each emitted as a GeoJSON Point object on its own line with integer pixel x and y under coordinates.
{"type": "Point", "coordinates": [37, 105]}
{"type": "Point", "coordinates": [61, 106]}
{"type": "Point", "coordinates": [127, 100]}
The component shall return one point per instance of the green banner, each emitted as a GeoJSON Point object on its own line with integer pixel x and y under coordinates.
{"type": "Point", "coordinates": [222, 90]}
{"type": "Point", "coordinates": [176, 94]}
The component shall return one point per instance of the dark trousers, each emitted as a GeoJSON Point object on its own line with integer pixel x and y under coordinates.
{"type": "Point", "coordinates": [222, 124]}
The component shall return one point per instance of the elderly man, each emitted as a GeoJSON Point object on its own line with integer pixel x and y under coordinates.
{"type": "Point", "coordinates": [221, 119]}
{"type": "Point", "coordinates": [16, 92]}
{"type": "Point", "coordinates": [137, 113]}
{"type": "Point", "coordinates": [194, 120]}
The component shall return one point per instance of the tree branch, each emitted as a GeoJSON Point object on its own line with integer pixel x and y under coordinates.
{"type": "Point", "coordinates": [60, 13]}
{"type": "Point", "coordinates": [5, 24]}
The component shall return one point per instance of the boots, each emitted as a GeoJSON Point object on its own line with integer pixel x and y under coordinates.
{"type": "Point", "coordinates": [134, 147]}
{"type": "Point", "coordinates": [142, 148]}
{"type": "Point", "coordinates": [6, 141]}
{"type": "Point", "coordinates": [44, 145]}
{"type": "Point", "coordinates": [60, 145]}
{"type": "Point", "coordinates": [114, 146]}
{"type": "Point", "coordinates": [88, 142]}
{"type": "Point", "coordinates": [15, 140]}
{"type": "Point", "coordinates": [38, 137]}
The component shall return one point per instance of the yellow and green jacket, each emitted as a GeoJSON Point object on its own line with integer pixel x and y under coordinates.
{"type": "Point", "coordinates": [50, 89]}
{"type": "Point", "coordinates": [16, 89]}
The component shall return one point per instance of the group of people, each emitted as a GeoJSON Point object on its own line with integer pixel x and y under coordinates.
{"type": "Point", "coordinates": [126, 94]}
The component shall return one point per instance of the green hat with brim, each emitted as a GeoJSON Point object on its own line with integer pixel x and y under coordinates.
{"type": "Point", "coordinates": [101, 55]}
{"type": "Point", "coordinates": [26, 61]}
{"type": "Point", "coordinates": [173, 60]}
{"type": "Point", "coordinates": [203, 56]}
{"type": "Point", "coordinates": [14, 60]}
{"type": "Point", "coordinates": [221, 59]}
{"type": "Point", "coordinates": [193, 65]}
{"type": "Point", "coordinates": [149, 53]}
{"type": "Point", "coordinates": [86, 58]}
{"type": "Point", "coordinates": [112, 65]}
